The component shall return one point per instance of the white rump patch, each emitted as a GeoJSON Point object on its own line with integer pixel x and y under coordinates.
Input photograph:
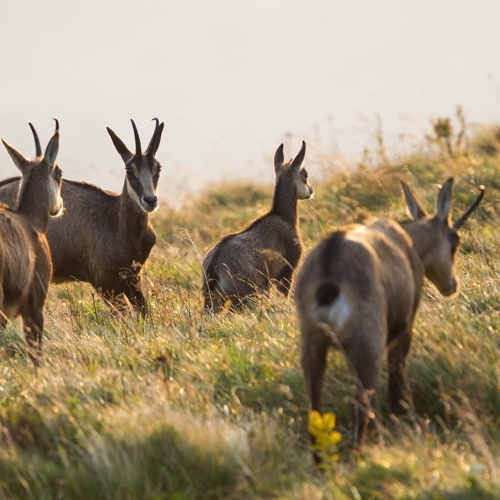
{"type": "Point", "coordinates": [224, 285]}
{"type": "Point", "coordinates": [337, 314]}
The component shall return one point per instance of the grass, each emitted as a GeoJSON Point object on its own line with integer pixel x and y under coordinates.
{"type": "Point", "coordinates": [184, 406]}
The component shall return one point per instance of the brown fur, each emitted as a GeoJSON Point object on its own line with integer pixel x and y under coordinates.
{"type": "Point", "coordinates": [25, 264]}
{"type": "Point", "coordinates": [359, 291]}
{"type": "Point", "coordinates": [267, 250]}
{"type": "Point", "coordinates": [104, 238]}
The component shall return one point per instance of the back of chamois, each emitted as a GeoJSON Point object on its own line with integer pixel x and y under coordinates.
{"type": "Point", "coordinates": [268, 250]}
{"type": "Point", "coordinates": [359, 290]}
{"type": "Point", "coordinates": [25, 264]}
{"type": "Point", "coordinates": [104, 238]}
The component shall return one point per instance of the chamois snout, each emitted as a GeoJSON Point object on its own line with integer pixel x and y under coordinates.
{"type": "Point", "coordinates": [57, 207]}
{"type": "Point", "coordinates": [450, 289]}
{"type": "Point", "coordinates": [303, 189]}
{"type": "Point", "coordinates": [439, 269]}
{"type": "Point", "coordinates": [307, 193]}
{"type": "Point", "coordinates": [149, 203]}
{"type": "Point", "coordinates": [142, 189]}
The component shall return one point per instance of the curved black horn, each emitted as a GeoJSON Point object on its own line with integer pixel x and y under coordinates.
{"type": "Point", "coordinates": [154, 142]}
{"type": "Point", "coordinates": [57, 124]}
{"type": "Point", "coordinates": [38, 148]}
{"type": "Point", "coordinates": [459, 222]}
{"type": "Point", "coordinates": [138, 149]}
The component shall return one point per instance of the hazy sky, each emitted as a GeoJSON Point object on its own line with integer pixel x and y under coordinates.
{"type": "Point", "coordinates": [233, 79]}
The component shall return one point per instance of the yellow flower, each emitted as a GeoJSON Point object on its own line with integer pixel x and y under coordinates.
{"type": "Point", "coordinates": [322, 429]}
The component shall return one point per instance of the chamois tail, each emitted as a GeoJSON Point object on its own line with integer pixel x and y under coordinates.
{"type": "Point", "coordinates": [326, 293]}
{"type": "Point", "coordinates": [332, 305]}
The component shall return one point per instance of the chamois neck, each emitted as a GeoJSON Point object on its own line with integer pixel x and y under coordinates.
{"type": "Point", "coordinates": [418, 230]}
{"type": "Point", "coordinates": [132, 219]}
{"type": "Point", "coordinates": [285, 200]}
{"type": "Point", "coordinates": [33, 203]}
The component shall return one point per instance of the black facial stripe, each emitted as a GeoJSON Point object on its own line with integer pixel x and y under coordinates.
{"type": "Point", "coordinates": [135, 184]}
{"type": "Point", "coordinates": [134, 169]}
{"type": "Point", "coordinates": [454, 240]}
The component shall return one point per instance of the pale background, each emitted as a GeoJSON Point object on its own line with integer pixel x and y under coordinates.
{"type": "Point", "coordinates": [233, 79]}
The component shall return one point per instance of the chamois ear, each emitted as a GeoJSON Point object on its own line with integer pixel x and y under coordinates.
{"type": "Point", "coordinates": [52, 149]}
{"type": "Point", "coordinates": [297, 162]}
{"type": "Point", "coordinates": [444, 202]}
{"type": "Point", "coordinates": [19, 160]}
{"type": "Point", "coordinates": [412, 204]}
{"type": "Point", "coordinates": [123, 151]}
{"type": "Point", "coordinates": [279, 158]}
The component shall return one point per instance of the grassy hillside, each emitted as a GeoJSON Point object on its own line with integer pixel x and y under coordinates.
{"type": "Point", "coordinates": [185, 406]}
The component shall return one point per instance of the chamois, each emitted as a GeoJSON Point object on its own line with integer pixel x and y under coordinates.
{"type": "Point", "coordinates": [104, 237]}
{"type": "Point", "coordinates": [25, 264]}
{"type": "Point", "coordinates": [359, 289]}
{"type": "Point", "coordinates": [268, 250]}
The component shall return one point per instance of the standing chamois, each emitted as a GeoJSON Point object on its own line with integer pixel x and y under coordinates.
{"type": "Point", "coordinates": [359, 290]}
{"type": "Point", "coordinates": [268, 250]}
{"type": "Point", "coordinates": [25, 265]}
{"type": "Point", "coordinates": [104, 238]}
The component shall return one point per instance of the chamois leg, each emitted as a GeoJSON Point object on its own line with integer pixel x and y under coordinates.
{"type": "Point", "coordinates": [243, 294]}
{"type": "Point", "coordinates": [396, 355]}
{"type": "Point", "coordinates": [238, 302]}
{"type": "Point", "coordinates": [365, 362]}
{"type": "Point", "coordinates": [33, 332]}
{"type": "Point", "coordinates": [213, 301]}
{"type": "Point", "coordinates": [3, 317]}
{"type": "Point", "coordinates": [285, 280]}
{"type": "Point", "coordinates": [313, 362]}
{"type": "Point", "coordinates": [134, 294]}
{"type": "Point", "coordinates": [115, 299]}
{"type": "Point", "coordinates": [114, 294]}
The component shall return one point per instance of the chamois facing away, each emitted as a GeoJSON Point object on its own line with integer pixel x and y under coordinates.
{"type": "Point", "coordinates": [104, 238]}
{"type": "Point", "coordinates": [25, 265]}
{"type": "Point", "coordinates": [359, 289]}
{"type": "Point", "coordinates": [268, 250]}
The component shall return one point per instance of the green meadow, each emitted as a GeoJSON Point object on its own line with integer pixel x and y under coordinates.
{"type": "Point", "coordinates": [187, 406]}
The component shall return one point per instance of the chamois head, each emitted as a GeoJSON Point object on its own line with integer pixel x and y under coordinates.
{"type": "Point", "coordinates": [143, 170]}
{"type": "Point", "coordinates": [43, 166]}
{"type": "Point", "coordinates": [438, 237]}
{"type": "Point", "coordinates": [292, 168]}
